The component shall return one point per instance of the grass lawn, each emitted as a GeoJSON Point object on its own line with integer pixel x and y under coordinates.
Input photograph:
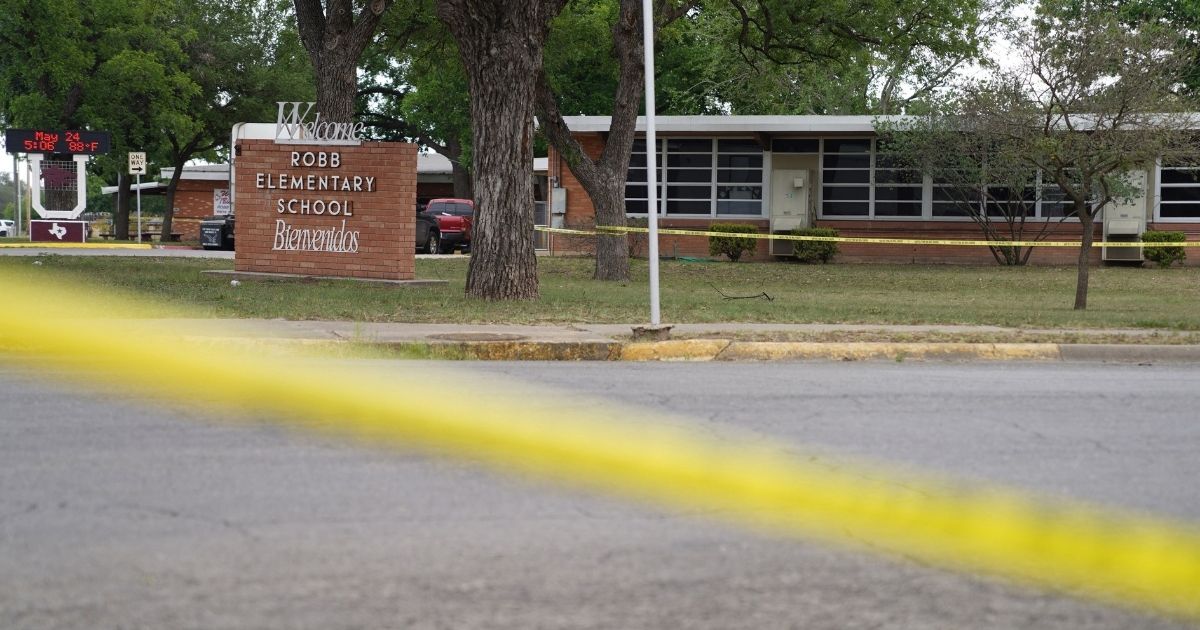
{"type": "Point", "coordinates": [691, 292]}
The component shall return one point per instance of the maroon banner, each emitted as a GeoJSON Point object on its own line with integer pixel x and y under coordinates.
{"type": "Point", "coordinates": [58, 231]}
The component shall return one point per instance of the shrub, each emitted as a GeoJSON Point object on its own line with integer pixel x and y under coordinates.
{"type": "Point", "coordinates": [732, 246]}
{"type": "Point", "coordinates": [1164, 256]}
{"type": "Point", "coordinates": [815, 251]}
{"type": "Point", "coordinates": [639, 242]}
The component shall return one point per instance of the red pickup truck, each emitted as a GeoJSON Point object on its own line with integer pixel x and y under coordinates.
{"type": "Point", "coordinates": [445, 224]}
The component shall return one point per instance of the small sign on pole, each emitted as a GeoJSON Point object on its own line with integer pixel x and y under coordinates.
{"type": "Point", "coordinates": [137, 166]}
{"type": "Point", "coordinates": [137, 163]}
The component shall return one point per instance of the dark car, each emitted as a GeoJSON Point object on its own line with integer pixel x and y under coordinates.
{"type": "Point", "coordinates": [445, 224]}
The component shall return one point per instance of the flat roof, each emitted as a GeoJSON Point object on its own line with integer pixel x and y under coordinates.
{"type": "Point", "coordinates": [737, 124]}
{"type": "Point", "coordinates": [211, 172]}
{"type": "Point", "coordinates": [155, 188]}
{"type": "Point", "coordinates": [808, 124]}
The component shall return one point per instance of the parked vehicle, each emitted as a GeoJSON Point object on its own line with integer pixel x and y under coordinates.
{"type": "Point", "coordinates": [445, 224]}
{"type": "Point", "coordinates": [8, 227]}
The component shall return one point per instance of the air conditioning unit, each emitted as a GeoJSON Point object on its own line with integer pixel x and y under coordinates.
{"type": "Point", "coordinates": [781, 247]}
{"type": "Point", "coordinates": [1117, 230]}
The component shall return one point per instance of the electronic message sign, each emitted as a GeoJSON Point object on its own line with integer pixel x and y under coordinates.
{"type": "Point", "coordinates": [62, 142]}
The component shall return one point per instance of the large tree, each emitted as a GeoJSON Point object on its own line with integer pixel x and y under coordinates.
{"type": "Point", "coordinates": [413, 87]}
{"type": "Point", "coordinates": [884, 53]}
{"type": "Point", "coordinates": [1181, 16]}
{"type": "Point", "coordinates": [242, 57]}
{"type": "Point", "coordinates": [335, 33]}
{"type": "Point", "coordinates": [1091, 102]}
{"type": "Point", "coordinates": [106, 64]}
{"type": "Point", "coordinates": [604, 177]}
{"type": "Point", "coordinates": [501, 45]}
{"type": "Point", "coordinates": [976, 173]}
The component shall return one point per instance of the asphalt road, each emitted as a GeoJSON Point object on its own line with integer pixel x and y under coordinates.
{"type": "Point", "coordinates": [115, 514]}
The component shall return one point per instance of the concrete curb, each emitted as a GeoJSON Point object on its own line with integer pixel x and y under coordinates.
{"type": "Point", "coordinates": [866, 351]}
{"type": "Point", "coordinates": [696, 350]}
{"type": "Point", "coordinates": [516, 350]}
{"type": "Point", "coordinates": [674, 350]}
{"type": "Point", "coordinates": [1130, 353]}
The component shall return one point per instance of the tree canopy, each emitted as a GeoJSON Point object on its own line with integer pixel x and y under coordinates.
{"type": "Point", "coordinates": [1092, 102]}
{"type": "Point", "coordinates": [169, 78]}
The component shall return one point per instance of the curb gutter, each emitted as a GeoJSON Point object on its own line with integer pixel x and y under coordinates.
{"type": "Point", "coordinates": [694, 350]}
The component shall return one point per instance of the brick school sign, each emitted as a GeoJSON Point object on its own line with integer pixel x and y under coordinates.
{"type": "Point", "coordinates": [326, 210]}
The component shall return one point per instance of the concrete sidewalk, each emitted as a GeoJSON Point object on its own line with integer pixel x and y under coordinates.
{"type": "Point", "coordinates": [692, 342]}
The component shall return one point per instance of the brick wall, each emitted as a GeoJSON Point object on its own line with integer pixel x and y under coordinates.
{"type": "Point", "coordinates": [193, 204]}
{"type": "Point", "coordinates": [381, 220]}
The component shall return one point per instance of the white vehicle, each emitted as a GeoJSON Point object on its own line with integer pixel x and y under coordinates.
{"type": "Point", "coordinates": [8, 227]}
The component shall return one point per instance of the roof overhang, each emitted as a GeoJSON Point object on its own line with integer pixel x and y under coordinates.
{"type": "Point", "coordinates": [199, 172]}
{"type": "Point", "coordinates": [147, 188]}
{"type": "Point", "coordinates": [746, 125]}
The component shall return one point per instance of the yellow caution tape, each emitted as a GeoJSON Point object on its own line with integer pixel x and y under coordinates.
{"type": "Point", "coordinates": [618, 230]}
{"type": "Point", "coordinates": [1068, 546]}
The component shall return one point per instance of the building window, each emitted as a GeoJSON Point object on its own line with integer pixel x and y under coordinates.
{"type": "Point", "coordinates": [899, 191]}
{"type": "Point", "coordinates": [795, 145]}
{"type": "Point", "coordinates": [637, 196]}
{"type": "Point", "coordinates": [1041, 198]}
{"type": "Point", "coordinates": [739, 177]}
{"type": "Point", "coordinates": [1179, 194]}
{"type": "Point", "coordinates": [846, 178]}
{"type": "Point", "coordinates": [702, 176]}
{"type": "Point", "coordinates": [689, 176]}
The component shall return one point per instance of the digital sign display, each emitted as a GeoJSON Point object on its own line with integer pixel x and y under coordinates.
{"type": "Point", "coordinates": [57, 141]}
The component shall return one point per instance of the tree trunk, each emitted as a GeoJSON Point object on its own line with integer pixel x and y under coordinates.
{"type": "Point", "coordinates": [501, 44]}
{"type": "Point", "coordinates": [1085, 255]}
{"type": "Point", "coordinates": [460, 176]}
{"type": "Point", "coordinates": [604, 179]}
{"type": "Point", "coordinates": [612, 252]}
{"type": "Point", "coordinates": [337, 84]}
{"type": "Point", "coordinates": [164, 235]}
{"type": "Point", "coordinates": [120, 226]}
{"type": "Point", "coordinates": [335, 38]}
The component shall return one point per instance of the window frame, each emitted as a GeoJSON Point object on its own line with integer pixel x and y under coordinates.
{"type": "Point", "coordinates": [713, 184]}
{"type": "Point", "coordinates": [927, 187]}
{"type": "Point", "coordinates": [1158, 192]}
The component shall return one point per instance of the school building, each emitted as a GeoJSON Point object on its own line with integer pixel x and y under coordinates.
{"type": "Point", "coordinates": [778, 173]}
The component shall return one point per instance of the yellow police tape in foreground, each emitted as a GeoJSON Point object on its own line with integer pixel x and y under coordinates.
{"type": "Point", "coordinates": [1113, 556]}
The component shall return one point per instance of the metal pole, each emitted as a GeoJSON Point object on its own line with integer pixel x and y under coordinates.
{"type": "Point", "coordinates": [27, 213]}
{"type": "Point", "coordinates": [139, 206]}
{"type": "Point", "coordinates": [17, 183]}
{"type": "Point", "coordinates": [651, 159]}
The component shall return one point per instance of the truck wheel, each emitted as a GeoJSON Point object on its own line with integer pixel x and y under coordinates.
{"type": "Point", "coordinates": [433, 243]}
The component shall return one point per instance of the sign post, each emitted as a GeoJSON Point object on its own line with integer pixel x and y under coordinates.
{"type": "Point", "coordinates": [651, 162]}
{"type": "Point", "coordinates": [137, 166]}
{"type": "Point", "coordinates": [17, 183]}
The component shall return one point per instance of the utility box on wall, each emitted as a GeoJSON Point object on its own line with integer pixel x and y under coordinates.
{"type": "Point", "coordinates": [791, 192]}
{"type": "Point", "coordinates": [558, 207]}
{"type": "Point", "coordinates": [1125, 221]}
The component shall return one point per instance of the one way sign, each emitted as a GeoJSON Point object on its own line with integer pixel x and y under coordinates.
{"type": "Point", "coordinates": [137, 163]}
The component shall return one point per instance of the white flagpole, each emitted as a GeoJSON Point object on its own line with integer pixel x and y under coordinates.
{"type": "Point", "coordinates": [651, 159]}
